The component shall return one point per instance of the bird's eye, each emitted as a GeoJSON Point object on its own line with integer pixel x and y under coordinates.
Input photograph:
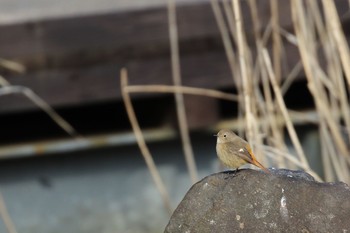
{"type": "Point", "coordinates": [224, 135]}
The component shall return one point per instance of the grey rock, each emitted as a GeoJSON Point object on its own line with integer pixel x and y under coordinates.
{"type": "Point", "coordinates": [254, 201]}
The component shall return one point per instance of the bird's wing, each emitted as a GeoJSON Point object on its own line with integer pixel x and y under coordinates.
{"type": "Point", "coordinates": [248, 156]}
{"type": "Point", "coordinates": [245, 153]}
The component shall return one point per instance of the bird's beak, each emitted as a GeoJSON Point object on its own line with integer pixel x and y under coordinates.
{"type": "Point", "coordinates": [215, 135]}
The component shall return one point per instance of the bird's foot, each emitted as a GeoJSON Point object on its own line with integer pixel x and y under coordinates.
{"type": "Point", "coordinates": [231, 174]}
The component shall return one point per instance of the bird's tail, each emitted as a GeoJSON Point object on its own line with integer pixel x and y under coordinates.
{"type": "Point", "coordinates": [256, 163]}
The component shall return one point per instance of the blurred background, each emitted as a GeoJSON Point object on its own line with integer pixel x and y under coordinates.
{"type": "Point", "coordinates": [108, 108]}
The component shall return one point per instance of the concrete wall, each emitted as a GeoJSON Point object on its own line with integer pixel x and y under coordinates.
{"type": "Point", "coordinates": [105, 191]}
{"type": "Point", "coordinates": [14, 11]}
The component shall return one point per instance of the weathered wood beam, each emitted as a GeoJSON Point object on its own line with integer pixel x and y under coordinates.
{"type": "Point", "coordinates": [77, 60]}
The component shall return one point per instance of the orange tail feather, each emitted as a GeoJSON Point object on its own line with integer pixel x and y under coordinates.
{"type": "Point", "coordinates": [256, 163]}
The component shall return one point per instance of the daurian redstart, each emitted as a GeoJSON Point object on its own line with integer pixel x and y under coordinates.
{"type": "Point", "coordinates": [234, 151]}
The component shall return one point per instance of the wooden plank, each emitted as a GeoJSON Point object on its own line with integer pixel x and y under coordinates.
{"type": "Point", "coordinates": [100, 83]}
{"type": "Point", "coordinates": [34, 10]}
{"type": "Point", "coordinates": [71, 87]}
{"type": "Point", "coordinates": [77, 60]}
{"type": "Point", "coordinates": [91, 40]}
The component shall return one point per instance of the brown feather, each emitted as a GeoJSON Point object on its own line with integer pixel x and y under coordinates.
{"type": "Point", "coordinates": [234, 151]}
{"type": "Point", "coordinates": [254, 160]}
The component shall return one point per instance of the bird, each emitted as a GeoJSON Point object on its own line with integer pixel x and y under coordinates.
{"type": "Point", "coordinates": [234, 151]}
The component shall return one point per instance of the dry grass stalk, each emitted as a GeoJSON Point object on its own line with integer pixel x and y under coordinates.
{"type": "Point", "coordinates": [276, 40]}
{"type": "Point", "coordinates": [245, 76]}
{"type": "Point", "coordinates": [291, 77]}
{"type": "Point", "coordinates": [335, 72]}
{"type": "Point", "coordinates": [231, 21]}
{"type": "Point", "coordinates": [338, 35]}
{"type": "Point", "coordinates": [142, 144]}
{"type": "Point", "coordinates": [12, 65]}
{"type": "Point", "coordinates": [283, 108]}
{"type": "Point", "coordinates": [180, 105]}
{"type": "Point", "coordinates": [326, 160]}
{"type": "Point", "coordinates": [3, 82]}
{"type": "Point", "coordinates": [182, 90]}
{"type": "Point", "coordinates": [329, 95]}
{"type": "Point", "coordinates": [230, 54]}
{"type": "Point", "coordinates": [10, 226]}
{"type": "Point", "coordinates": [267, 108]}
{"type": "Point", "coordinates": [228, 46]}
{"type": "Point", "coordinates": [330, 150]}
{"type": "Point", "coordinates": [311, 66]}
{"type": "Point", "coordinates": [273, 152]}
{"type": "Point", "coordinates": [39, 102]}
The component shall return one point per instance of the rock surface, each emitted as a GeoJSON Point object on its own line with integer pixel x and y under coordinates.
{"type": "Point", "coordinates": [253, 201]}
